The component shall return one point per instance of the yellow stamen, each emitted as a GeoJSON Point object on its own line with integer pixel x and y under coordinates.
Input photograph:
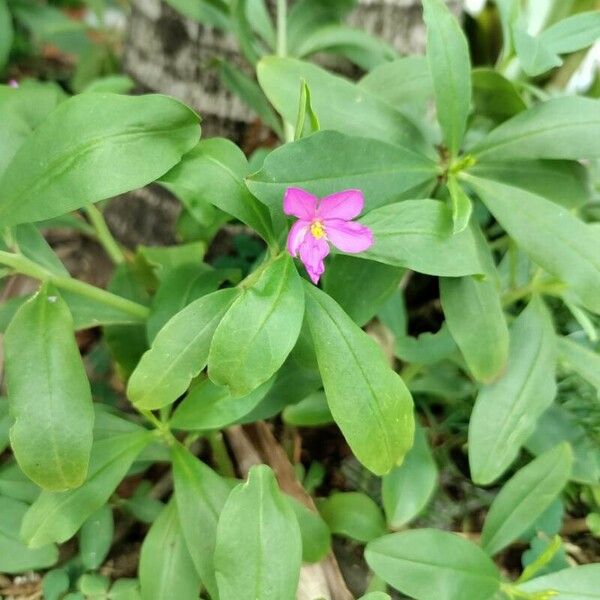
{"type": "Point", "coordinates": [317, 230]}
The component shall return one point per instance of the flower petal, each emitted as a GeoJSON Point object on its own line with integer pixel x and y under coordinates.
{"type": "Point", "coordinates": [296, 236]}
{"type": "Point", "coordinates": [348, 236]}
{"type": "Point", "coordinates": [300, 203]}
{"type": "Point", "coordinates": [312, 253]}
{"type": "Point", "coordinates": [342, 205]}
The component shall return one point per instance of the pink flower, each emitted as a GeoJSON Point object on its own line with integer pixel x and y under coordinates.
{"type": "Point", "coordinates": [329, 220]}
{"type": "Point", "coordinates": [13, 83]}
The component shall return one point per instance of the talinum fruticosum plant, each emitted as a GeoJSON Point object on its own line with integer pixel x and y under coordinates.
{"type": "Point", "coordinates": [491, 202]}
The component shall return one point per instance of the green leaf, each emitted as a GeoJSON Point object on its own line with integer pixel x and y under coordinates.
{"type": "Point", "coordinates": [574, 583]}
{"type": "Point", "coordinates": [534, 55]}
{"type": "Point", "coordinates": [376, 596]}
{"type": "Point", "coordinates": [6, 33]}
{"type": "Point", "coordinates": [417, 234]}
{"type": "Point", "coordinates": [307, 121]}
{"type": "Point", "coordinates": [426, 349]}
{"type": "Point", "coordinates": [450, 67]}
{"type": "Point", "coordinates": [362, 48]}
{"type": "Point", "coordinates": [259, 547]}
{"type": "Point", "coordinates": [353, 515]}
{"type": "Point", "coordinates": [210, 407]}
{"type": "Point", "coordinates": [31, 243]}
{"type": "Point", "coordinates": [345, 279]}
{"type": "Point", "coordinates": [573, 33]}
{"type": "Point", "coordinates": [426, 564]}
{"type": "Point", "coordinates": [91, 147]}
{"type": "Point", "coordinates": [506, 411]}
{"type": "Point", "coordinates": [127, 343]}
{"type": "Point", "coordinates": [166, 569]}
{"type": "Point", "coordinates": [214, 13]}
{"type": "Point", "coordinates": [114, 84]}
{"type": "Point", "coordinates": [407, 489]}
{"type": "Point", "coordinates": [524, 497]}
{"type": "Point", "coordinates": [49, 394]}
{"type": "Point", "coordinates": [56, 516]}
{"type": "Point", "coordinates": [179, 287]}
{"type": "Point", "coordinates": [95, 538]}
{"type": "Point", "coordinates": [15, 484]}
{"type": "Point", "coordinates": [5, 422]}
{"type": "Point", "coordinates": [495, 96]}
{"type": "Point", "coordinates": [310, 411]}
{"type": "Point", "coordinates": [560, 128]}
{"type": "Point", "coordinates": [474, 314]}
{"type": "Point", "coordinates": [179, 352]}
{"type": "Point", "coordinates": [55, 584]}
{"type": "Point", "coordinates": [327, 162]}
{"type": "Point", "coordinates": [580, 359]}
{"type": "Point", "coordinates": [93, 585]}
{"type": "Point", "coordinates": [125, 589]}
{"type": "Point", "coordinates": [559, 425]}
{"type": "Point", "coordinates": [249, 91]}
{"type": "Point", "coordinates": [554, 238]}
{"type": "Point", "coordinates": [260, 329]}
{"type": "Point", "coordinates": [15, 556]}
{"type": "Point", "coordinates": [368, 401]}
{"type": "Point", "coordinates": [565, 182]}
{"type": "Point", "coordinates": [355, 111]}
{"type": "Point", "coordinates": [213, 171]}
{"type": "Point", "coordinates": [242, 30]}
{"type": "Point", "coordinates": [307, 15]}
{"type": "Point", "coordinates": [161, 260]}
{"type": "Point", "coordinates": [403, 82]}
{"type": "Point", "coordinates": [200, 495]}
{"type": "Point", "coordinates": [461, 205]}
{"type": "Point", "coordinates": [316, 538]}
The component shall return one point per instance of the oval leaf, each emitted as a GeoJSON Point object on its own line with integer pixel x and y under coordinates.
{"type": "Point", "coordinates": [368, 401]}
{"type": "Point", "coordinates": [15, 556]}
{"type": "Point", "coordinates": [566, 127]}
{"type": "Point", "coordinates": [552, 236]}
{"type": "Point", "coordinates": [506, 411]}
{"type": "Point", "coordinates": [354, 515]}
{"type": "Point", "coordinates": [56, 516]}
{"type": "Point", "coordinates": [200, 495]}
{"type": "Point", "coordinates": [49, 394]}
{"type": "Point", "coordinates": [426, 564]}
{"type": "Point", "coordinates": [474, 314]}
{"type": "Point", "coordinates": [450, 67]}
{"type": "Point", "coordinates": [214, 172]}
{"type": "Point", "coordinates": [407, 489]}
{"type": "Point", "coordinates": [179, 352]}
{"type": "Point", "coordinates": [91, 147]}
{"type": "Point", "coordinates": [260, 329]}
{"type": "Point", "coordinates": [355, 110]}
{"type": "Point", "coordinates": [328, 161]}
{"type": "Point", "coordinates": [259, 547]}
{"type": "Point", "coordinates": [166, 568]}
{"type": "Point", "coordinates": [209, 406]}
{"type": "Point", "coordinates": [569, 584]}
{"type": "Point", "coordinates": [418, 234]}
{"type": "Point", "coordinates": [524, 497]}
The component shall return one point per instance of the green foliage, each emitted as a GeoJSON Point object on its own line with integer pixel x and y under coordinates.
{"type": "Point", "coordinates": [459, 350]}
{"type": "Point", "coordinates": [259, 546]}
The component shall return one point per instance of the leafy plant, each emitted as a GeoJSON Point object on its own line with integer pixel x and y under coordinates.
{"type": "Point", "coordinates": [487, 217]}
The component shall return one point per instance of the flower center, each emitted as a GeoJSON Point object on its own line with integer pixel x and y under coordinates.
{"type": "Point", "coordinates": [317, 230]}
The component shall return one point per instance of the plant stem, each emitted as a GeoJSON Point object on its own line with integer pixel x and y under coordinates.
{"type": "Point", "coordinates": [288, 130]}
{"type": "Point", "coordinates": [104, 235]}
{"type": "Point", "coordinates": [281, 27]}
{"type": "Point", "coordinates": [25, 266]}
